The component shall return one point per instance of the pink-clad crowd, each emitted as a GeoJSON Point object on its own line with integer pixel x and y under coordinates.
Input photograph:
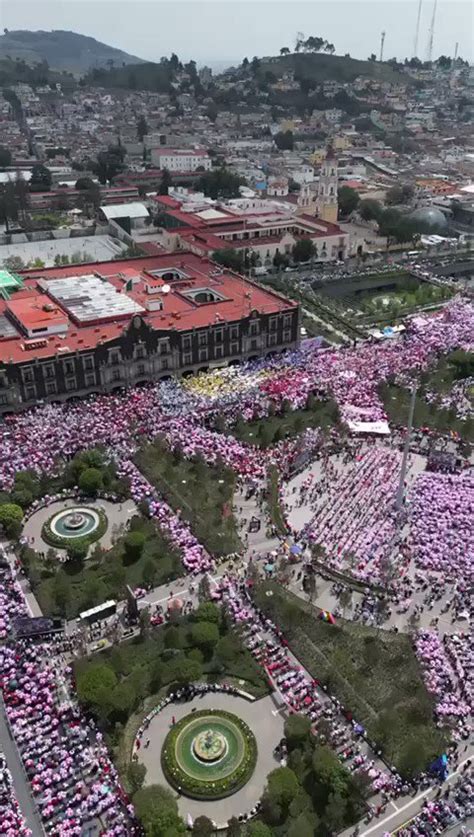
{"type": "Point", "coordinates": [72, 778]}
{"type": "Point", "coordinates": [442, 524]}
{"type": "Point", "coordinates": [65, 760]}
{"type": "Point", "coordinates": [12, 823]}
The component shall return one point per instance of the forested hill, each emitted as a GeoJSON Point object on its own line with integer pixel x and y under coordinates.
{"type": "Point", "coordinates": [62, 50]}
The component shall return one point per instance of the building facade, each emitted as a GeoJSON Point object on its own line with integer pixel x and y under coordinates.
{"type": "Point", "coordinates": [184, 160]}
{"type": "Point", "coordinates": [71, 332]}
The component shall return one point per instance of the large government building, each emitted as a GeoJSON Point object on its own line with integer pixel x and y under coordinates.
{"type": "Point", "coordinates": [76, 330]}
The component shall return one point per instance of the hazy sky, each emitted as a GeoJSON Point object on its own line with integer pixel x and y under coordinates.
{"type": "Point", "coordinates": [229, 30]}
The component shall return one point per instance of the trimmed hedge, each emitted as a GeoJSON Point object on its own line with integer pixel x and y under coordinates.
{"type": "Point", "coordinates": [220, 788]}
{"type": "Point", "coordinates": [59, 542]}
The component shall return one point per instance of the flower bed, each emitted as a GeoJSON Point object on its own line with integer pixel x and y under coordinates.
{"type": "Point", "coordinates": [53, 539]}
{"type": "Point", "coordinates": [217, 787]}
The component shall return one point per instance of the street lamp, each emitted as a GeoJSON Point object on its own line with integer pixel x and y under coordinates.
{"type": "Point", "coordinates": [406, 450]}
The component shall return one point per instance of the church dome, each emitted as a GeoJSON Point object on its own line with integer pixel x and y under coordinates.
{"type": "Point", "coordinates": [430, 217]}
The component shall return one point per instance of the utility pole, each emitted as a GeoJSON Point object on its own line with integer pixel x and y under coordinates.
{"type": "Point", "coordinates": [382, 41]}
{"type": "Point", "coordinates": [401, 484]}
{"type": "Point", "coordinates": [417, 30]}
{"type": "Point", "coordinates": [432, 28]}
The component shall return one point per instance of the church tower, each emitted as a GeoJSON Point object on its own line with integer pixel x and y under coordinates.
{"type": "Point", "coordinates": [327, 188]}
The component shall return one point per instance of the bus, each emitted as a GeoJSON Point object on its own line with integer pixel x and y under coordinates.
{"type": "Point", "coordinates": [102, 611]}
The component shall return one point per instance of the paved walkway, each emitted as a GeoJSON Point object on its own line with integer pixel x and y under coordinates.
{"type": "Point", "coordinates": [266, 724]}
{"type": "Point", "coordinates": [117, 515]}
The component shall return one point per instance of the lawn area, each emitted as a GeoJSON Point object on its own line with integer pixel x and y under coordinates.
{"type": "Point", "coordinates": [67, 589]}
{"type": "Point", "coordinates": [204, 494]}
{"type": "Point", "coordinates": [273, 501]}
{"type": "Point", "coordinates": [269, 431]}
{"type": "Point", "coordinates": [123, 681]}
{"type": "Point", "coordinates": [397, 404]}
{"type": "Point", "coordinates": [374, 673]}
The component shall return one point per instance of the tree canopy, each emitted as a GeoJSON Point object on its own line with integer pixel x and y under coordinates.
{"type": "Point", "coordinates": [348, 200]}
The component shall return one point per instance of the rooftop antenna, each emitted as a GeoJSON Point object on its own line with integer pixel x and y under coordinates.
{"type": "Point", "coordinates": [382, 41]}
{"type": "Point", "coordinates": [417, 30]}
{"type": "Point", "coordinates": [430, 41]}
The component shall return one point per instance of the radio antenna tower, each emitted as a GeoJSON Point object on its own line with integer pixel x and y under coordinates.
{"type": "Point", "coordinates": [456, 49]}
{"type": "Point", "coordinates": [382, 41]}
{"type": "Point", "coordinates": [417, 30]}
{"type": "Point", "coordinates": [430, 41]}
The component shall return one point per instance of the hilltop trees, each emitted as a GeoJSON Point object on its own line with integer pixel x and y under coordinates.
{"type": "Point", "coordinates": [314, 44]}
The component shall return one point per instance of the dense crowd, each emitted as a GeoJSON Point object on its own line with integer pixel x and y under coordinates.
{"type": "Point", "coordinates": [66, 762]}
{"type": "Point", "coordinates": [442, 524]}
{"type": "Point", "coordinates": [72, 778]}
{"type": "Point", "coordinates": [12, 823]}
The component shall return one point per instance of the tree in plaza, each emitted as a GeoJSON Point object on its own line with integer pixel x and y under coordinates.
{"type": "Point", "coordinates": [328, 770]}
{"type": "Point", "coordinates": [297, 729]}
{"type": "Point", "coordinates": [334, 812]}
{"type": "Point", "coordinates": [220, 183]}
{"type": "Point", "coordinates": [304, 825]}
{"type": "Point", "coordinates": [5, 157]}
{"type": "Point", "coordinates": [77, 550]}
{"type": "Point", "coordinates": [370, 209]}
{"type": "Point", "coordinates": [135, 776]}
{"type": "Point", "coordinates": [184, 671]}
{"type": "Point", "coordinates": [62, 592]}
{"type": "Point", "coordinates": [205, 635]}
{"type": "Point", "coordinates": [227, 650]}
{"type": "Point", "coordinates": [90, 481]}
{"type": "Point", "coordinates": [204, 589]}
{"type": "Point", "coordinates": [109, 163]}
{"type": "Point", "coordinates": [26, 488]}
{"type": "Point", "coordinates": [95, 684]}
{"type": "Point", "coordinates": [165, 183]}
{"type": "Point", "coordinates": [348, 200]}
{"type": "Point", "coordinates": [142, 128]}
{"type": "Point", "coordinates": [11, 517]}
{"type": "Point", "coordinates": [157, 809]}
{"type": "Point", "coordinates": [282, 786]}
{"type": "Point", "coordinates": [284, 140]}
{"type": "Point", "coordinates": [234, 828]}
{"type": "Point", "coordinates": [41, 178]}
{"type": "Point", "coordinates": [133, 546]}
{"type": "Point", "coordinates": [149, 572]}
{"type": "Point", "coordinates": [258, 829]}
{"type": "Point", "coordinates": [203, 827]}
{"type": "Point", "coordinates": [83, 183]}
{"type": "Point", "coordinates": [207, 612]}
{"type": "Point", "coordinates": [174, 637]}
{"type": "Point", "coordinates": [304, 250]}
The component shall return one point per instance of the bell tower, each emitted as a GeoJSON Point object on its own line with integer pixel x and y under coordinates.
{"type": "Point", "coordinates": [327, 188]}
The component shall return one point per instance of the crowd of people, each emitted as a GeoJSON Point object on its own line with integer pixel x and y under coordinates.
{"type": "Point", "coordinates": [12, 823]}
{"type": "Point", "coordinates": [72, 779]}
{"type": "Point", "coordinates": [301, 694]}
{"type": "Point", "coordinates": [71, 776]}
{"type": "Point", "coordinates": [438, 815]}
{"type": "Point", "coordinates": [442, 524]}
{"type": "Point", "coordinates": [442, 681]}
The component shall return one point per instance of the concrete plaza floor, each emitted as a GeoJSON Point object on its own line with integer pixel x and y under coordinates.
{"type": "Point", "coordinates": [266, 724]}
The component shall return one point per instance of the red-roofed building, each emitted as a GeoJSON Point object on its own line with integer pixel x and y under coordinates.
{"type": "Point", "coordinates": [265, 228]}
{"type": "Point", "coordinates": [75, 330]}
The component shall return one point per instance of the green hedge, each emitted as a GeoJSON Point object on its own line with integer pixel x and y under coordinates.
{"type": "Point", "coordinates": [220, 788]}
{"type": "Point", "coordinates": [59, 542]}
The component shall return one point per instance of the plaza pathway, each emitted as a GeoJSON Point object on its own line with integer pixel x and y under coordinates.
{"type": "Point", "coordinates": [266, 723]}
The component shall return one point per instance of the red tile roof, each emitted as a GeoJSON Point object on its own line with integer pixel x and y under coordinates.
{"type": "Point", "coordinates": [181, 313]}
